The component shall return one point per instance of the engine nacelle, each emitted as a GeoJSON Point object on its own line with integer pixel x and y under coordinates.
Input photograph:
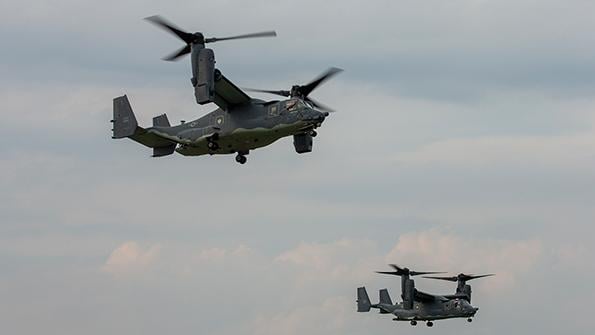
{"type": "Point", "coordinates": [302, 143]}
{"type": "Point", "coordinates": [204, 88]}
{"type": "Point", "coordinates": [408, 294]}
{"type": "Point", "coordinates": [467, 292]}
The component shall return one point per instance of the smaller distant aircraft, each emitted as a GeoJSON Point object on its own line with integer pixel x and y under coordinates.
{"type": "Point", "coordinates": [420, 306]}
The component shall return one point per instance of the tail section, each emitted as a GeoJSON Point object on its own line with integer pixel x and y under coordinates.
{"type": "Point", "coordinates": [168, 149]}
{"type": "Point", "coordinates": [363, 301]}
{"type": "Point", "coordinates": [124, 121]}
{"type": "Point", "coordinates": [125, 125]}
{"type": "Point", "coordinates": [385, 297]}
{"type": "Point", "coordinates": [385, 303]}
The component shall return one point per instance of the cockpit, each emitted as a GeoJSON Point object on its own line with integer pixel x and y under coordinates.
{"type": "Point", "coordinates": [304, 111]}
{"type": "Point", "coordinates": [296, 104]}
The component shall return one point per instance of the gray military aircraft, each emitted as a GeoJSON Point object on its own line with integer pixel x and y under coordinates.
{"type": "Point", "coordinates": [240, 124]}
{"type": "Point", "coordinates": [421, 306]}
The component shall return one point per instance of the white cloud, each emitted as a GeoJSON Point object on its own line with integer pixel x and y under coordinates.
{"type": "Point", "coordinates": [345, 259]}
{"type": "Point", "coordinates": [438, 251]}
{"type": "Point", "coordinates": [130, 258]}
{"type": "Point", "coordinates": [331, 315]}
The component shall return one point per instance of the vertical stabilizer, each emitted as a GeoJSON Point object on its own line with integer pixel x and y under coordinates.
{"type": "Point", "coordinates": [124, 120]}
{"type": "Point", "coordinates": [385, 297]}
{"type": "Point", "coordinates": [385, 301]}
{"type": "Point", "coordinates": [161, 121]}
{"type": "Point", "coordinates": [363, 301]}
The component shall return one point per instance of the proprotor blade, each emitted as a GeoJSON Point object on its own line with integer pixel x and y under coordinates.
{"type": "Point", "coordinates": [399, 271]}
{"type": "Point", "coordinates": [465, 277]}
{"type": "Point", "coordinates": [319, 106]}
{"type": "Point", "coordinates": [269, 33]}
{"type": "Point", "coordinates": [417, 273]}
{"type": "Point", "coordinates": [305, 90]}
{"type": "Point", "coordinates": [174, 56]}
{"type": "Point", "coordinates": [302, 91]}
{"type": "Point", "coordinates": [453, 278]}
{"type": "Point", "coordinates": [460, 277]}
{"type": "Point", "coordinates": [161, 22]}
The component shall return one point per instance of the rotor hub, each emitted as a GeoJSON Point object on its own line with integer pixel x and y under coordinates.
{"type": "Point", "coordinates": [303, 91]}
{"type": "Point", "coordinates": [198, 38]}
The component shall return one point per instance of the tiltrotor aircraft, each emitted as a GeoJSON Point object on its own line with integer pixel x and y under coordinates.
{"type": "Point", "coordinates": [240, 124]}
{"type": "Point", "coordinates": [421, 306]}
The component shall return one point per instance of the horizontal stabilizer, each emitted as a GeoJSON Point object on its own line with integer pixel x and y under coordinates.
{"type": "Point", "coordinates": [164, 151]}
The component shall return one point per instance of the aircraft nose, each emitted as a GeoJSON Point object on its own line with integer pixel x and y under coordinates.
{"type": "Point", "coordinates": [321, 115]}
{"type": "Point", "coordinates": [315, 115]}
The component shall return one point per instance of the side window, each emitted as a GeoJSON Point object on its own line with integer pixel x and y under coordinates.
{"type": "Point", "coordinates": [291, 105]}
{"type": "Point", "coordinates": [273, 110]}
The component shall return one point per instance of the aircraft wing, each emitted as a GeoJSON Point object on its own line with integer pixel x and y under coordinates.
{"type": "Point", "coordinates": [227, 94]}
{"type": "Point", "coordinates": [427, 297]}
{"type": "Point", "coordinates": [456, 296]}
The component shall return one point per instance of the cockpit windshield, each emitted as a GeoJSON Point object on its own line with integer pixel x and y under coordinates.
{"type": "Point", "coordinates": [295, 104]}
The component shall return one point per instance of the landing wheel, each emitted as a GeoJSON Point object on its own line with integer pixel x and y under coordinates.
{"type": "Point", "coordinates": [469, 320]}
{"type": "Point", "coordinates": [217, 75]}
{"type": "Point", "coordinates": [313, 133]}
{"type": "Point", "coordinates": [429, 323]}
{"type": "Point", "coordinates": [213, 145]}
{"type": "Point", "coordinates": [413, 323]}
{"type": "Point", "coordinates": [241, 159]}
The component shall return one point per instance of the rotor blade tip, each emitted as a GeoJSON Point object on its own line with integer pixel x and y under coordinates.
{"type": "Point", "coordinates": [153, 18]}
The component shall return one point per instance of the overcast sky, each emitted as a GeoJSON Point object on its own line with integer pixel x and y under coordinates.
{"type": "Point", "coordinates": [464, 141]}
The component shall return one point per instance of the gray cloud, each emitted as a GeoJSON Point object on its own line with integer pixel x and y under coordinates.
{"type": "Point", "coordinates": [464, 127]}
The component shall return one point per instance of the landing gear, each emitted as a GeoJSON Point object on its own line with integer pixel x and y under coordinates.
{"type": "Point", "coordinates": [429, 323]}
{"type": "Point", "coordinates": [216, 74]}
{"type": "Point", "coordinates": [313, 133]}
{"type": "Point", "coordinates": [241, 159]}
{"type": "Point", "coordinates": [469, 320]}
{"type": "Point", "coordinates": [212, 145]}
{"type": "Point", "coordinates": [413, 323]}
{"type": "Point", "coordinates": [212, 142]}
